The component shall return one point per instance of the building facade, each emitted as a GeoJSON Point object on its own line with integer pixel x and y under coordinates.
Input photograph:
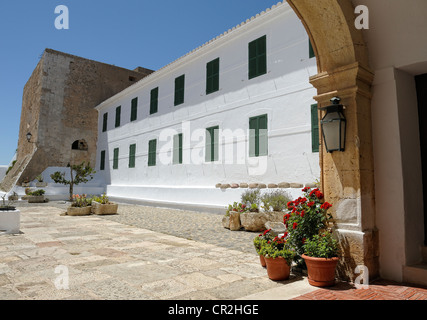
{"type": "Point", "coordinates": [58, 112]}
{"type": "Point", "coordinates": [237, 111]}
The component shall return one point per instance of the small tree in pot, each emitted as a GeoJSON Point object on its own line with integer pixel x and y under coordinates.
{"type": "Point", "coordinates": [81, 173]}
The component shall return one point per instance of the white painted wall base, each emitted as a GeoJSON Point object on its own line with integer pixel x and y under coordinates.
{"type": "Point", "coordinates": [10, 222]}
{"type": "Point", "coordinates": [201, 198]}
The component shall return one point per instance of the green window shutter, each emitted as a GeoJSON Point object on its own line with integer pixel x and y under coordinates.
{"type": "Point", "coordinates": [118, 116]}
{"type": "Point", "coordinates": [212, 76]}
{"type": "Point", "coordinates": [258, 136]}
{"type": "Point", "coordinates": [177, 149]}
{"type": "Point", "coordinates": [310, 50]}
{"type": "Point", "coordinates": [263, 135]}
{"type": "Point", "coordinates": [132, 152]}
{"type": "Point", "coordinates": [105, 122]}
{"type": "Point", "coordinates": [134, 110]}
{"type": "Point", "coordinates": [102, 165]}
{"type": "Point", "coordinates": [258, 57]}
{"type": "Point", "coordinates": [152, 153]}
{"type": "Point", "coordinates": [179, 90]}
{"type": "Point", "coordinates": [116, 159]}
{"type": "Point", "coordinates": [315, 139]}
{"type": "Point", "coordinates": [212, 144]}
{"type": "Point", "coordinates": [154, 101]}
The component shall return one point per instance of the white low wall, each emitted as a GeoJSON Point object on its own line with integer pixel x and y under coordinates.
{"type": "Point", "coordinates": [201, 198]}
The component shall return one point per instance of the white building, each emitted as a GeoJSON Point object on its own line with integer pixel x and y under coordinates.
{"type": "Point", "coordinates": [220, 114]}
{"type": "Point", "coordinates": [153, 140]}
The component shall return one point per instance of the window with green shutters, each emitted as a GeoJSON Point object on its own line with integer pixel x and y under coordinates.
{"type": "Point", "coordinates": [179, 90]}
{"type": "Point", "coordinates": [116, 159]}
{"type": "Point", "coordinates": [310, 50]}
{"type": "Point", "coordinates": [315, 140]}
{"type": "Point", "coordinates": [212, 144]}
{"type": "Point", "coordinates": [258, 57]}
{"type": "Point", "coordinates": [134, 110]}
{"type": "Point", "coordinates": [118, 116]}
{"type": "Point", "coordinates": [154, 101]}
{"type": "Point", "coordinates": [177, 149]}
{"type": "Point", "coordinates": [258, 136]}
{"type": "Point", "coordinates": [132, 152]}
{"type": "Point", "coordinates": [212, 76]}
{"type": "Point", "coordinates": [105, 122]}
{"type": "Point", "coordinates": [102, 162]}
{"type": "Point", "coordinates": [152, 153]}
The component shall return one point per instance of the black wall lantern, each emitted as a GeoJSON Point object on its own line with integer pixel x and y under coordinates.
{"type": "Point", "coordinates": [29, 135]}
{"type": "Point", "coordinates": [333, 126]}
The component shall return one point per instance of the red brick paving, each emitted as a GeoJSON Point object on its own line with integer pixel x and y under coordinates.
{"type": "Point", "coordinates": [377, 290]}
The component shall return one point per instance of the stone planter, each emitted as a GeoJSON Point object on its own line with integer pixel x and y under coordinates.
{"type": "Point", "coordinates": [10, 221]}
{"type": "Point", "coordinates": [77, 211]}
{"type": "Point", "coordinates": [36, 199]}
{"type": "Point", "coordinates": [104, 209]}
{"type": "Point", "coordinates": [255, 221]}
{"type": "Point", "coordinates": [41, 184]}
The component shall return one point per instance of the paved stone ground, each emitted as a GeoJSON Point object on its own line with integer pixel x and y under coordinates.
{"type": "Point", "coordinates": [117, 260]}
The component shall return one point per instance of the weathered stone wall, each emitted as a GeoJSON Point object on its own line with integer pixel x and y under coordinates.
{"type": "Point", "coordinates": [58, 108]}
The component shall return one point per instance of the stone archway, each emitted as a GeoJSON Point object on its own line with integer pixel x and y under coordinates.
{"type": "Point", "coordinates": [347, 177]}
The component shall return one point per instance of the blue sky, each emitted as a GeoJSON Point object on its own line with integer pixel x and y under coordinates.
{"type": "Point", "coordinates": [126, 33]}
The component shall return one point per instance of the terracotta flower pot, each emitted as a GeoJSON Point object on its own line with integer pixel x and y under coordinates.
{"type": "Point", "coordinates": [321, 271]}
{"type": "Point", "coordinates": [277, 269]}
{"type": "Point", "coordinates": [262, 260]}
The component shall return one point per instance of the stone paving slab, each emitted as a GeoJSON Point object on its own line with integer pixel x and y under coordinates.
{"type": "Point", "coordinates": [142, 259]}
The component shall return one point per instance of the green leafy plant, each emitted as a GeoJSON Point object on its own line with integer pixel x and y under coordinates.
{"type": "Point", "coordinates": [81, 173]}
{"type": "Point", "coordinates": [306, 217]}
{"type": "Point", "coordinates": [39, 178]}
{"type": "Point", "coordinates": [262, 239]}
{"type": "Point", "coordinates": [81, 201]}
{"type": "Point", "coordinates": [37, 193]}
{"type": "Point", "coordinates": [322, 245]}
{"type": "Point", "coordinates": [102, 199]}
{"type": "Point", "coordinates": [278, 247]}
{"type": "Point", "coordinates": [275, 200]}
{"type": "Point", "coordinates": [252, 199]}
{"type": "Point", "coordinates": [236, 207]}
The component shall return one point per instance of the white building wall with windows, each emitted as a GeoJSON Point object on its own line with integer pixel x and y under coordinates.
{"type": "Point", "coordinates": [283, 93]}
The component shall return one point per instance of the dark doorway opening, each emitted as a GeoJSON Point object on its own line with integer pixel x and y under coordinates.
{"type": "Point", "coordinates": [421, 84]}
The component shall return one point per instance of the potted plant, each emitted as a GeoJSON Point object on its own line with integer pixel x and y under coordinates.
{"type": "Point", "coordinates": [321, 257]}
{"type": "Point", "coordinates": [36, 196]}
{"type": "Point", "coordinates": [278, 257]}
{"type": "Point", "coordinates": [305, 218]}
{"type": "Point", "coordinates": [80, 206]}
{"type": "Point", "coordinates": [10, 217]}
{"type": "Point", "coordinates": [103, 206]}
{"type": "Point", "coordinates": [260, 241]}
{"type": "Point", "coordinates": [40, 182]}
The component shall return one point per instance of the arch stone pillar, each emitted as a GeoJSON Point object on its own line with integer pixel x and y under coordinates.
{"type": "Point", "coordinates": [347, 177]}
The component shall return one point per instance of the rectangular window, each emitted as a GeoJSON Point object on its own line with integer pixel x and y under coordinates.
{"type": "Point", "coordinates": [258, 136]}
{"type": "Point", "coordinates": [154, 101]}
{"type": "Point", "coordinates": [310, 50]}
{"type": "Point", "coordinates": [152, 153]}
{"type": "Point", "coordinates": [258, 57]}
{"type": "Point", "coordinates": [132, 152]}
{"type": "Point", "coordinates": [179, 90]}
{"type": "Point", "coordinates": [102, 165]}
{"type": "Point", "coordinates": [315, 141]}
{"type": "Point", "coordinates": [118, 115]}
{"type": "Point", "coordinates": [212, 76]}
{"type": "Point", "coordinates": [134, 110]}
{"type": "Point", "coordinates": [177, 149]}
{"type": "Point", "coordinates": [212, 144]}
{"type": "Point", "coordinates": [116, 159]}
{"type": "Point", "coordinates": [105, 122]}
